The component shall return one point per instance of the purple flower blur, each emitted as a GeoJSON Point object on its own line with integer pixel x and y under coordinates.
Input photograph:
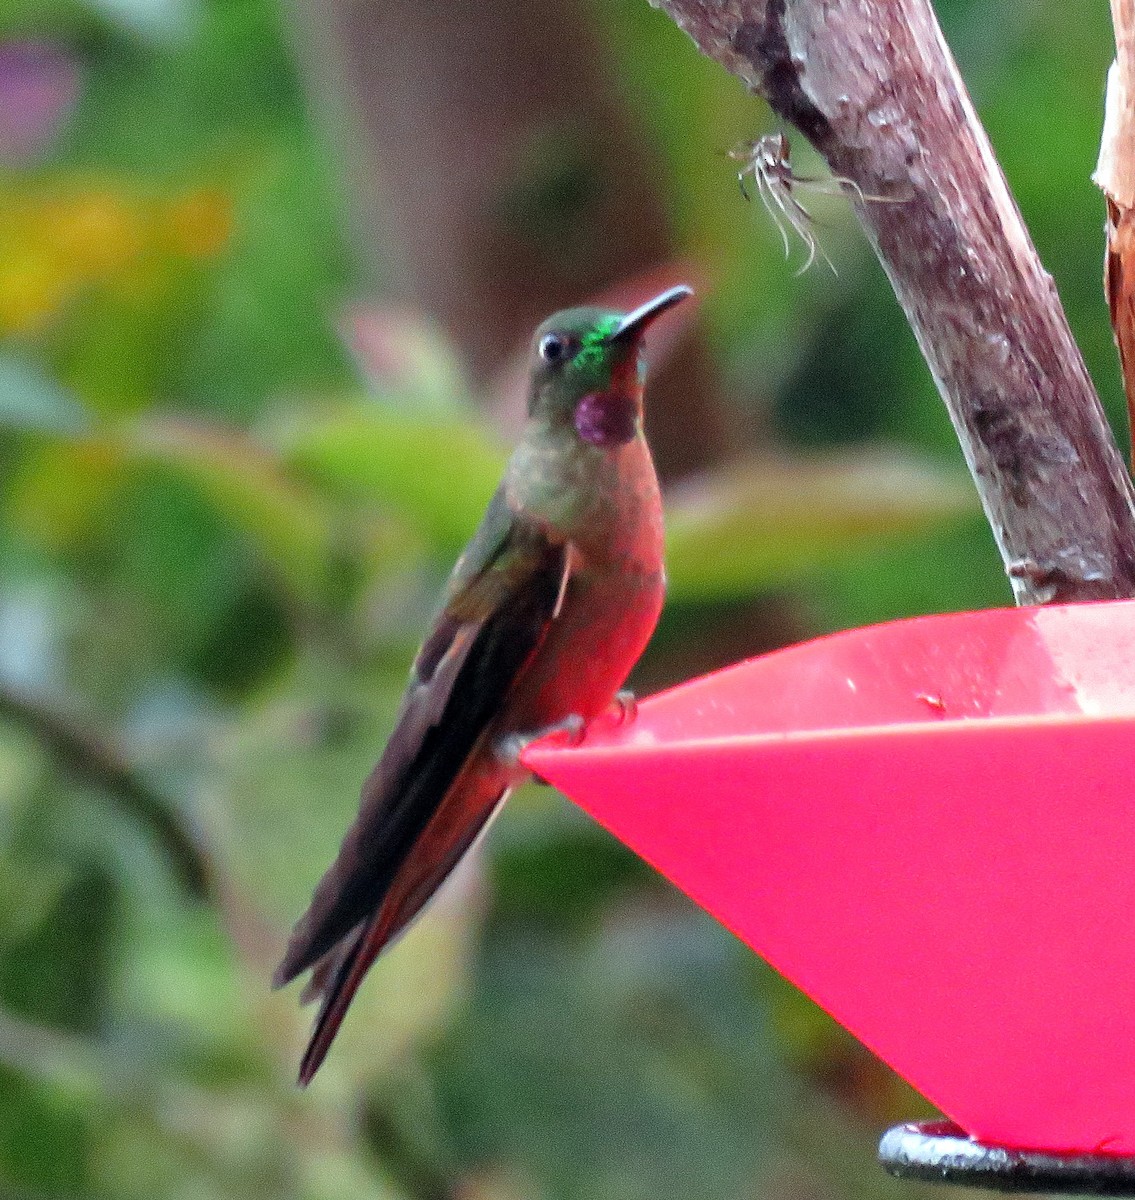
{"type": "Point", "coordinates": [39, 84]}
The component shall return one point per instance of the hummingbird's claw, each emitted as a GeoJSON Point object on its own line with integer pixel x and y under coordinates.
{"type": "Point", "coordinates": [510, 747]}
{"type": "Point", "coordinates": [626, 706]}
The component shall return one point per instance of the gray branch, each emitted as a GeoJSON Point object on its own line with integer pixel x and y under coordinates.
{"type": "Point", "coordinates": [872, 84]}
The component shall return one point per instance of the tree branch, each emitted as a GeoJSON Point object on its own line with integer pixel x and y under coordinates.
{"type": "Point", "coordinates": [1115, 175]}
{"type": "Point", "coordinates": [874, 87]}
{"type": "Point", "coordinates": [90, 758]}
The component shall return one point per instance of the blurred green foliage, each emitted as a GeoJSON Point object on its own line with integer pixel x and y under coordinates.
{"type": "Point", "coordinates": [217, 549]}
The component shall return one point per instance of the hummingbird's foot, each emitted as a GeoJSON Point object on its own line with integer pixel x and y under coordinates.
{"type": "Point", "coordinates": [510, 747]}
{"type": "Point", "coordinates": [625, 705]}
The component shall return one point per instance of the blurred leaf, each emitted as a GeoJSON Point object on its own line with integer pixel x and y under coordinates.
{"type": "Point", "coordinates": [172, 548]}
{"type": "Point", "coordinates": [31, 399]}
{"type": "Point", "coordinates": [440, 472]}
{"type": "Point", "coordinates": [630, 1065]}
{"type": "Point", "coordinates": [45, 1138]}
{"type": "Point", "coordinates": [59, 973]}
{"type": "Point", "coordinates": [179, 986]}
{"type": "Point", "coordinates": [285, 521]}
{"type": "Point", "coordinates": [342, 1174]}
{"type": "Point", "coordinates": [64, 488]}
{"type": "Point", "coordinates": [402, 354]}
{"type": "Point", "coordinates": [752, 525]}
{"type": "Point", "coordinates": [147, 1133]}
{"type": "Point", "coordinates": [156, 20]}
{"type": "Point", "coordinates": [22, 768]}
{"type": "Point", "coordinates": [266, 330]}
{"type": "Point", "coordinates": [954, 568]}
{"type": "Point", "coordinates": [30, 895]}
{"type": "Point", "coordinates": [549, 860]}
{"type": "Point", "coordinates": [105, 273]}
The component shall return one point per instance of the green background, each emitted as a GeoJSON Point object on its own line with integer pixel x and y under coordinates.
{"type": "Point", "coordinates": [218, 544]}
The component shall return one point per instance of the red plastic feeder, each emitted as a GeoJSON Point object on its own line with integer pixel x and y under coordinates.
{"type": "Point", "coordinates": [929, 827]}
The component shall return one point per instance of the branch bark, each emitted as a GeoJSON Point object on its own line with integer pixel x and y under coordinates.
{"type": "Point", "coordinates": [872, 84]}
{"type": "Point", "coordinates": [1115, 175]}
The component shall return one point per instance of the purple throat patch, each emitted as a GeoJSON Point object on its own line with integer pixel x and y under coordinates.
{"type": "Point", "coordinates": [606, 418]}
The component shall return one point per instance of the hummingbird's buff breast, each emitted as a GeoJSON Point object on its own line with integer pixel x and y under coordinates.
{"type": "Point", "coordinates": [614, 593]}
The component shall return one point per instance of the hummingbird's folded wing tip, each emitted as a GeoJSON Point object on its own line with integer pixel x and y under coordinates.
{"type": "Point", "coordinates": [288, 968]}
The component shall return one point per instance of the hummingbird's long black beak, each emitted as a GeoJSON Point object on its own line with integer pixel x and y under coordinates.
{"type": "Point", "coordinates": [632, 325]}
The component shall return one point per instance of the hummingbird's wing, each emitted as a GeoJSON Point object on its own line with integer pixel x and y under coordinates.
{"type": "Point", "coordinates": [502, 596]}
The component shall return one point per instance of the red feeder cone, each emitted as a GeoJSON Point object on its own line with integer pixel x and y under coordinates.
{"type": "Point", "coordinates": [929, 827]}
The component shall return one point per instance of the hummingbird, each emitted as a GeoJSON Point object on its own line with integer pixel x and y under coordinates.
{"type": "Point", "coordinates": [544, 615]}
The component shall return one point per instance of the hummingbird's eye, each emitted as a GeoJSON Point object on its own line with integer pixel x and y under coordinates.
{"type": "Point", "coordinates": [553, 348]}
